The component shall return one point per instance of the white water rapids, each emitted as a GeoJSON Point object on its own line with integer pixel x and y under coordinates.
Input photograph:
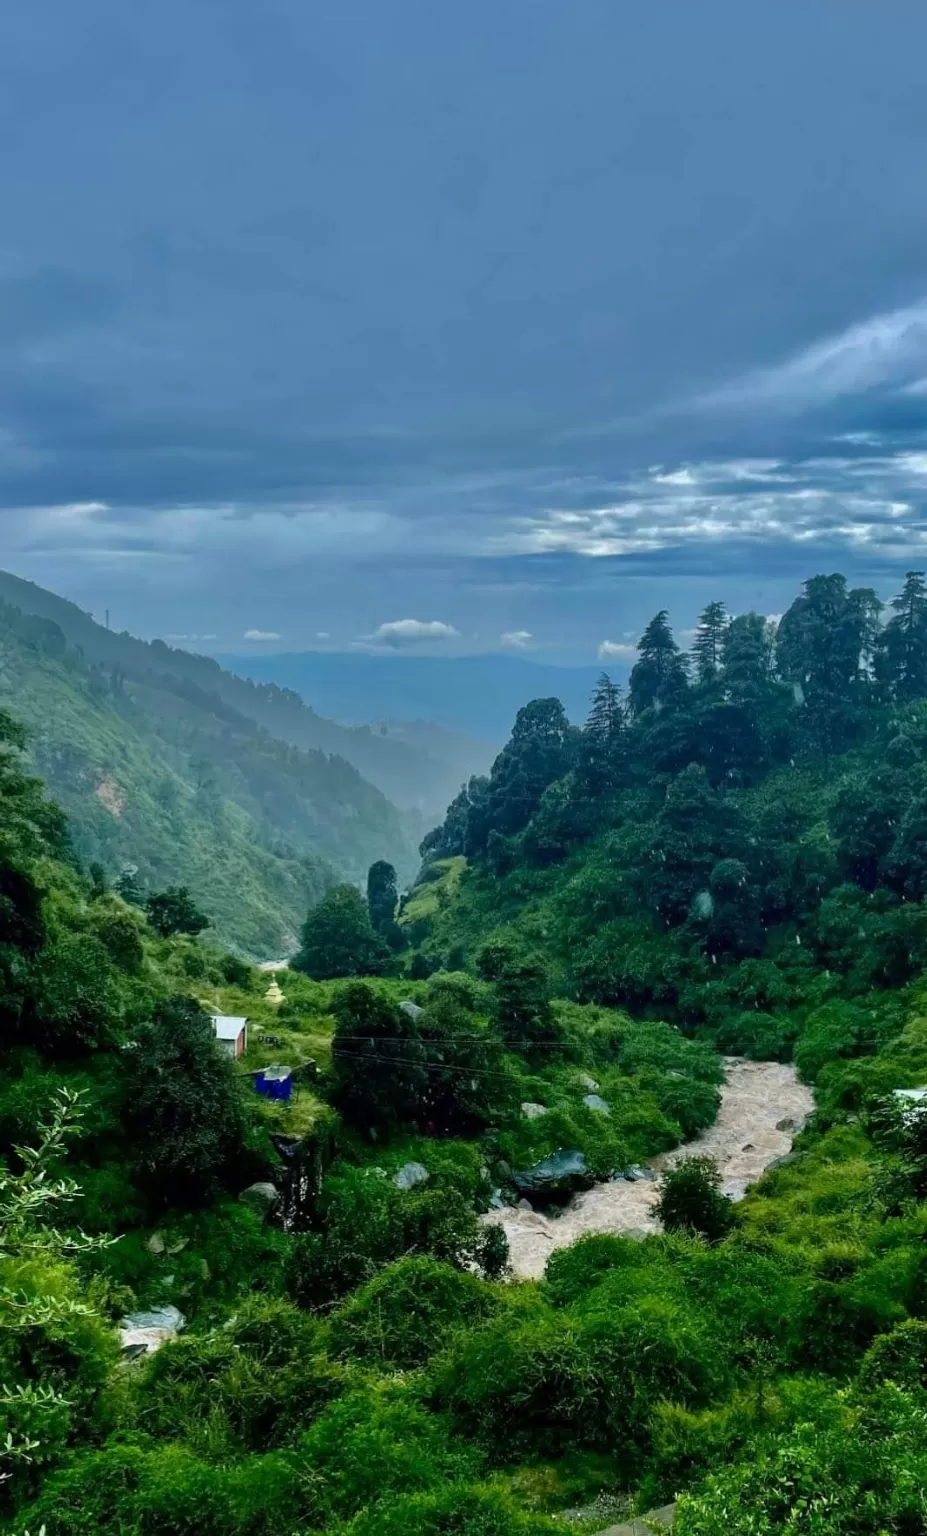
{"type": "Point", "coordinates": [763, 1106]}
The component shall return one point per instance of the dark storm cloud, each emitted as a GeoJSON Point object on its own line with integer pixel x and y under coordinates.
{"type": "Point", "coordinates": [520, 318]}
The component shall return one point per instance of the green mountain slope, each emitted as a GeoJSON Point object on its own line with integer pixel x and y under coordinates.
{"type": "Point", "coordinates": [416, 769]}
{"type": "Point", "coordinates": [157, 773]}
{"type": "Point", "coordinates": [740, 847]}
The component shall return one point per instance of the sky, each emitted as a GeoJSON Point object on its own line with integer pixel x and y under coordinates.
{"type": "Point", "coordinates": [418, 327]}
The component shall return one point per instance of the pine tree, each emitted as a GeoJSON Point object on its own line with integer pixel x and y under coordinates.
{"type": "Point", "coordinates": [602, 736]}
{"type": "Point", "coordinates": [901, 664]}
{"type": "Point", "coordinates": [708, 645]}
{"type": "Point", "coordinates": [659, 674]}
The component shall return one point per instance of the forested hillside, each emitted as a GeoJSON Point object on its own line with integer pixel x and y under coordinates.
{"type": "Point", "coordinates": [737, 843]}
{"type": "Point", "coordinates": [415, 773]}
{"type": "Point", "coordinates": [165, 778]}
{"type": "Point", "coordinates": [730, 859]}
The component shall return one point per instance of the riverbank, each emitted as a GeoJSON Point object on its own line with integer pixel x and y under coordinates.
{"type": "Point", "coordinates": [763, 1107]}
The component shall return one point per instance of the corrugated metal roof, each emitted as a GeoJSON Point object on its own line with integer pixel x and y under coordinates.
{"type": "Point", "coordinates": [227, 1026]}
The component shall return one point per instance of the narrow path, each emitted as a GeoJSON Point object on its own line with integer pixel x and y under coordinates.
{"type": "Point", "coordinates": [763, 1106]}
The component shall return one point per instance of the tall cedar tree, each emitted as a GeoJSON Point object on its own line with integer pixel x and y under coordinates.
{"type": "Point", "coordinates": [708, 645]}
{"type": "Point", "coordinates": [382, 901]}
{"type": "Point", "coordinates": [600, 748]}
{"type": "Point", "coordinates": [660, 673]}
{"type": "Point", "coordinates": [901, 664]}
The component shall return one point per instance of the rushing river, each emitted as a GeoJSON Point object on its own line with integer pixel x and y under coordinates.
{"type": "Point", "coordinates": [763, 1106]}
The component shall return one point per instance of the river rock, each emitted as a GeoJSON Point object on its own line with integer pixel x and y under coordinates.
{"type": "Point", "coordinates": [261, 1197]}
{"type": "Point", "coordinates": [410, 1009]}
{"type": "Point", "coordinates": [557, 1176]}
{"type": "Point", "coordinates": [409, 1175]}
{"type": "Point", "coordinates": [533, 1111]}
{"type": "Point", "coordinates": [587, 1082]}
{"type": "Point", "coordinates": [594, 1101]}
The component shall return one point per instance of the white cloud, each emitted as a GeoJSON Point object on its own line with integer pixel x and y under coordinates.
{"type": "Point", "coordinates": [517, 639]}
{"type": "Point", "coordinates": [616, 650]}
{"type": "Point", "coordinates": [322, 634]}
{"type": "Point", "coordinates": [413, 632]}
{"type": "Point", "coordinates": [262, 634]}
{"type": "Point", "coordinates": [889, 348]}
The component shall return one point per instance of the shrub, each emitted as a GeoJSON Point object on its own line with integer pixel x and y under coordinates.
{"type": "Point", "coordinates": [691, 1199]}
{"type": "Point", "coordinates": [406, 1313]}
{"type": "Point", "coordinates": [375, 1442]}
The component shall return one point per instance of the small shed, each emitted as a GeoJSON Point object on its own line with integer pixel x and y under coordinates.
{"type": "Point", "coordinates": [231, 1033]}
{"type": "Point", "coordinates": [274, 1083]}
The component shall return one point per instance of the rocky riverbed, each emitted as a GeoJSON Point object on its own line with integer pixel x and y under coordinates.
{"type": "Point", "coordinates": [763, 1106]}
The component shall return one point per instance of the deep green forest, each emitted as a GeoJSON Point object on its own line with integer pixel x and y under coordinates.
{"type": "Point", "coordinates": [729, 860]}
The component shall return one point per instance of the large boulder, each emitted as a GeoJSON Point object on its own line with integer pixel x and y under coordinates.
{"type": "Point", "coordinates": [555, 1177]}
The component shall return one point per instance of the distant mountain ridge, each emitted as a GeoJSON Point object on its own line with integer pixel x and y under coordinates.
{"type": "Point", "coordinates": [414, 775]}
{"type": "Point", "coordinates": [164, 775]}
{"type": "Point", "coordinates": [474, 696]}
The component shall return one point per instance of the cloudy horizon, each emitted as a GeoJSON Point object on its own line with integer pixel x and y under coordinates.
{"type": "Point", "coordinates": [455, 331]}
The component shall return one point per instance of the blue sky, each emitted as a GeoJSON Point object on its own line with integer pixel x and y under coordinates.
{"type": "Point", "coordinates": [412, 326]}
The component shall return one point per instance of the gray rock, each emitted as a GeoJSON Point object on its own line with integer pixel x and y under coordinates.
{"type": "Point", "coordinates": [409, 1175]}
{"type": "Point", "coordinates": [587, 1082]}
{"type": "Point", "coordinates": [533, 1111]}
{"type": "Point", "coordinates": [412, 1010]}
{"type": "Point", "coordinates": [144, 1332]}
{"type": "Point", "coordinates": [156, 1243]}
{"type": "Point", "coordinates": [524, 1205]}
{"type": "Point", "coordinates": [261, 1198]}
{"type": "Point", "coordinates": [781, 1162]}
{"type": "Point", "coordinates": [786, 1125]}
{"type": "Point", "coordinates": [496, 1202]}
{"type": "Point", "coordinates": [635, 1173]}
{"type": "Point", "coordinates": [556, 1176]}
{"type": "Point", "coordinates": [593, 1101]}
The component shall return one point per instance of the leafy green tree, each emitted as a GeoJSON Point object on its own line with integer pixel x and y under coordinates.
{"type": "Point", "coordinates": [439, 1069]}
{"type": "Point", "coordinates": [129, 887]}
{"type": "Point", "coordinates": [38, 1300]}
{"type": "Point", "coordinates": [183, 1108]}
{"type": "Point", "coordinates": [338, 938]}
{"type": "Point", "coordinates": [523, 998]}
{"type": "Point", "coordinates": [691, 1199]}
{"type": "Point", "coordinates": [379, 1059]}
{"type": "Point", "coordinates": [708, 645]}
{"type": "Point", "coordinates": [174, 911]}
{"type": "Point", "coordinates": [382, 901]}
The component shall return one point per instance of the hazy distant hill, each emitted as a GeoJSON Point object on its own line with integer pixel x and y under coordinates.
{"type": "Point", "coordinates": [158, 772]}
{"type": "Point", "coordinates": [473, 696]}
{"type": "Point", "coordinates": [420, 772]}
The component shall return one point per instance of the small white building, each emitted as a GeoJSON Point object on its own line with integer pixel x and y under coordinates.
{"type": "Point", "coordinates": [231, 1033]}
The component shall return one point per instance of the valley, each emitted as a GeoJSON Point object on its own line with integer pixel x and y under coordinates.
{"type": "Point", "coordinates": [586, 1177]}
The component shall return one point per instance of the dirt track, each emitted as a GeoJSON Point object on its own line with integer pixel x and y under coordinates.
{"type": "Point", "coordinates": [757, 1098]}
